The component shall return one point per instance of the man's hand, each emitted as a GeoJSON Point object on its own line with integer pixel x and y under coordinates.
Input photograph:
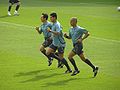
{"type": "Point", "coordinates": [37, 28]}
{"type": "Point", "coordinates": [48, 29]}
{"type": "Point", "coordinates": [79, 40]}
{"type": "Point", "coordinates": [65, 34]}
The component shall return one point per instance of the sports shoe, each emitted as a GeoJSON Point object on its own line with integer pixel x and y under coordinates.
{"type": "Point", "coordinates": [68, 71]}
{"type": "Point", "coordinates": [16, 13]}
{"type": "Point", "coordinates": [95, 71]}
{"type": "Point", "coordinates": [9, 14]}
{"type": "Point", "coordinates": [75, 72]}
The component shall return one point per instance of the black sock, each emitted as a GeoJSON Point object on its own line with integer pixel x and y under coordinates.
{"type": "Point", "coordinates": [17, 7]}
{"type": "Point", "coordinates": [44, 52]}
{"type": "Point", "coordinates": [65, 63]}
{"type": "Point", "coordinates": [73, 63]}
{"type": "Point", "coordinates": [89, 63]}
{"type": "Point", "coordinates": [55, 56]}
{"type": "Point", "coordinates": [9, 8]}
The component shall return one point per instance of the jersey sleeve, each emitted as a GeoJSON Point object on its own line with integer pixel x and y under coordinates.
{"type": "Point", "coordinates": [84, 30]}
{"type": "Point", "coordinates": [70, 34]}
{"type": "Point", "coordinates": [50, 26]}
{"type": "Point", "coordinates": [58, 28]}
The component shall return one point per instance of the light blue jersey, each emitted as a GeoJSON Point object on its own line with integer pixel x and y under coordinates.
{"type": "Point", "coordinates": [76, 33]}
{"type": "Point", "coordinates": [58, 40]}
{"type": "Point", "coordinates": [44, 27]}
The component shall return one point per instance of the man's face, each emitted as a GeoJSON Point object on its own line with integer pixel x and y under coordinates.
{"type": "Point", "coordinates": [52, 19]}
{"type": "Point", "coordinates": [73, 22]}
{"type": "Point", "coordinates": [42, 18]}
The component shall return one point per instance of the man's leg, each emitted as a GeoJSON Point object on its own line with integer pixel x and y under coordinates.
{"type": "Point", "coordinates": [17, 8]}
{"type": "Point", "coordinates": [95, 69]}
{"type": "Point", "coordinates": [63, 60]}
{"type": "Point", "coordinates": [56, 56]}
{"type": "Point", "coordinates": [70, 57]}
{"type": "Point", "coordinates": [49, 51]}
{"type": "Point", "coordinates": [52, 54]}
{"type": "Point", "coordinates": [42, 49]}
{"type": "Point", "coordinates": [9, 9]}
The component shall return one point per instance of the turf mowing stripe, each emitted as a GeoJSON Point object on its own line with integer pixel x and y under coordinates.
{"type": "Point", "coordinates": [105, 39]}
{"type": "Point", "coordinates": [34, 27]}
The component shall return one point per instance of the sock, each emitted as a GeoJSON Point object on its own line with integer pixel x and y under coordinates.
{"type": "Point", "coordinates": [65, 63]}
{"type": "Point", "coordinates": [9, 9]}
{"type": "Point", "coordinates": [17, 7]}
{"type": "Point", "coordinates": [44, 52]}
{"type": "Point", "coordinates": [89, 63]}
{"type": "Point", "coordinates": [55, 56]}
{"type": "Point", "coordinates": [73, 63]}
{"type": "Point", "coordinates": [56, 53]}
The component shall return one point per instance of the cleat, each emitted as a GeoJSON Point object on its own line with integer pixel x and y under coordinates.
{"type": "Point", "coordinates": [68, 71]}
{"type": "Point", "coordinates": [16, 13]}
{"type": "Point", "coordinates": [75, 72]}
{"type": "Point", "coordinates": [95, 71]}
{"type": "Point", "coordinates": [9, 14]}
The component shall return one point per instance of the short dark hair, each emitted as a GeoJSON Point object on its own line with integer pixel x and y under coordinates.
{"type": "Point", "coordinates": [74, 19]}
{"type": "Point", "coordinates": [45, 16]}
{"type": "Point", "coordinates": [53, 15]}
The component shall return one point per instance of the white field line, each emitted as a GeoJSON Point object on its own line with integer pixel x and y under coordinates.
{"type": "Point", "coordinates": [117, 41]}
{"type": "Point", "coordinates": [20, 25]}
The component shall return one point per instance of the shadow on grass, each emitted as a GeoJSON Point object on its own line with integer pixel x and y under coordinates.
{"type": "Point", "coordinates": [5, 16]}
{"type": "Point", "coordinates": [64, 82]}
{"type": "Point", "coordinates": [40, 77]}
{"type": "Point", "coordinates": [31, 72]}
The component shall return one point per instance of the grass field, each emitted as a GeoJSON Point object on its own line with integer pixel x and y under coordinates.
{"type": "Point", "coordinates": [23, 67]}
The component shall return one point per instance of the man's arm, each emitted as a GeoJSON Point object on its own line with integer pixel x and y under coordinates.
{"type": "Point", "coordinates": [37, 28]}
{"type": "Point", "coordinates": [57, 32]}
{"type": "Point", "coordinates": [54, 32]}
{"type": "Point", "coordinates": [86, 34]}
{"type": "Point", "coordinates": [66, 36]}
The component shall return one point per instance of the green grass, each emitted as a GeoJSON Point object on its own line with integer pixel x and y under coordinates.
{"type": "Point", "coordinates": [23, 67]}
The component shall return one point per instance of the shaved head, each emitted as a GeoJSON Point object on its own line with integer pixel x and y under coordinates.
{"type": "Point", "coordinates": [73, 21]}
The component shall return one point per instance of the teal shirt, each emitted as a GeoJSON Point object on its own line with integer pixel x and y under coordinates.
{"type": "Point", "coordinates": [43, 28]}
{"type": "Point", "coordinates": [76, 33]}
{"type": "Point", "coordinates": [58, 40]}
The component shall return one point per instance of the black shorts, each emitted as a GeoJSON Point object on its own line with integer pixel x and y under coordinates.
{"type": "Point", "coordinates": [47, 42]}
{"type": "Point", "coordinates": [78, 48]}
{"type": "Point", "coordinates": [13, 1]}
{"type": "Point", "coordinates": [60, 49]}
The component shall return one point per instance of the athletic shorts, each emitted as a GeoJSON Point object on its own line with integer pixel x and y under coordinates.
{"type": "Point", "coordinates": [47, 42]}
{"type": "Point", "coordinates": [13, 1]}
{"type": "Point", "coordinates": [60, 49]}
{"type": "Point", "coordinates": [78, 48]}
